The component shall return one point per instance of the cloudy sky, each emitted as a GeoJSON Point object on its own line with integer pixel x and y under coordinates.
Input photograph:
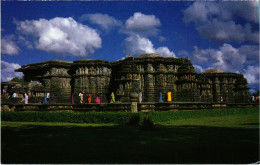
{"type": "Point", "coordinates": [222, 35]}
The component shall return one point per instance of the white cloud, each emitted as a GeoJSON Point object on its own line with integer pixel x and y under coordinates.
{"type": "Point", "coordinates": [105, 21]}
{"type": "Point", "coordinates": [62, 36]}
{"type": "Point", "coordinates": [8, 46]}
{"type": "Point", "coordinates": [7, 71]}
{"type": "Point", "coordinates": [251, 52]}
{"type": "Point", "coordinates": [139, 27]}
{"type": "Point", "coordinates": [165, 52]}
{"type": "Point", "coordinates": [198, 68]}
{"type": "Point", "coordinates": [162, 38]}
{"type": "Point", "coordinates": [246, 10]}
{"type": "Point", "coordinates": [252, 74]}
{"type": "Point", "coordinates": [142, 24]}
{"type": "Point", "coordinates": [226, 58]}
{"type": "Point", "coordinates": [25, 42]}
{"type": "Point", "coordinates": [227, 31]}
{"type": "Point", "coordinates": [200, 12]}
{"type": "Point", "coordinates": [136, 45]}
{"type": "Point", "coordinates": [230, 59]}
{"type": "Point", "coordinates": [217, 21]}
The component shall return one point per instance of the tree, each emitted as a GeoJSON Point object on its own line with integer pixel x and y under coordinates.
{"type": "Point", "coordinates": [256, 94]}
{"type": "Point", "coordinates": [17, 79]}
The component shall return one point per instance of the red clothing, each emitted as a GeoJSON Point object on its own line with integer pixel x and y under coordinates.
{"type": "Point", "coordinates": [72, 99]}
{"type": "Point", "coordinates": [97, 100]}
{"type": "Point", "coordinates": [89, 98]}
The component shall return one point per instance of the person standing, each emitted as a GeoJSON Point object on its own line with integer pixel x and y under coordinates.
{"type": "Point", "coordinates": [45, 101]}
{"type": "Point", "coordinates": [25, 98]}
{"type": "Point", "coordinates": [112, 98]}
{"type": "Point", "coordinates": [81, 97]}
{"type": "Point", "coordinates": [97, 99]}
{"type": "Point", "coordinates": [160, 100]}
{"type": "Point", "coordinates": [72, 99]}
{"type": "Point", "coordinates": [253, 99]}
{"type": "Point", "coordinates": [169, 98]}
{"type": "Point", "coordinates": [14, 98]}
{"type": "Point", "coordinates": [48, 97]}
{"type": "Point", "coordinates": [140, 95]}
{"type": "Point", "coordinates": [89, 97]}
{"type": "Point", "coordinates": [4, 91]}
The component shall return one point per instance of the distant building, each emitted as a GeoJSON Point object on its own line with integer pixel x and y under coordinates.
{"type": "Point", "coordinates": [150, 74]}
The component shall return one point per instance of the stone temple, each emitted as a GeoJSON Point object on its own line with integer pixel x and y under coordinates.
{"type": "Point", "coordinates": [150, 74]}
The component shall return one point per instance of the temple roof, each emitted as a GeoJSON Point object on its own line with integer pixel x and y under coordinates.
{"type": "Point", "coordinates": [52, 63]}
{"type": "Point", "coordinates": [152, 55]}
{"type": "Point", "coordinates": [213, 71]}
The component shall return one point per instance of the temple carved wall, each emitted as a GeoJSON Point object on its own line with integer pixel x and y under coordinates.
{"type": "Point", "coordinates": [150, 74]}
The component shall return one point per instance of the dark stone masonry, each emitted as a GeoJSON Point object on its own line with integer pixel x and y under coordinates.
{"type": "Point", "coordinates": [150, 74]}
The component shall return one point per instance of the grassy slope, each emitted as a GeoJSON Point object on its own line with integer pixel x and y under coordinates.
{"type": "Point", "coordinates": [239, 121]}
{"type": "Point", "coordinates": [226, 139]}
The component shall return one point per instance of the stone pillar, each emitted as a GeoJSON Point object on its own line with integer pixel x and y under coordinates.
{"type": "Point", "coordinates": [134, 108]}
{"type": "Point", "coordinates": [223, 89]}
{"type": "Point", "coordinates": [160, 84]}
{"type": "Point", "coordinates": [149, 88]}
{"type": "Point", "coordinates": [170, 85]}
{"type": "Point", "coordinates": [216, 90]}
{"type": "Point", "coordinates": [231, 92]}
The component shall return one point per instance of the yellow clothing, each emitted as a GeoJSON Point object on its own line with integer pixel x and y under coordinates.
{"type": "Point", "coordinates": [169, 98]}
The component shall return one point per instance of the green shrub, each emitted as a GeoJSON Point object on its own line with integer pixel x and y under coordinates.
{"type": "Point", "coordinates": [165, 116]}
{"type": "Point", "coordinates": [74, 117]}
{"type": "Point", "coordinates": [135, 120]}
{"type": "Point", "coordinates": [147, 124]}
{"type": "Point", "coordinates": [119, 117]}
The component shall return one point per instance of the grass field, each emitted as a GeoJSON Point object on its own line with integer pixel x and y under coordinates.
{"type": "Point", "coordinates": [228, 138]}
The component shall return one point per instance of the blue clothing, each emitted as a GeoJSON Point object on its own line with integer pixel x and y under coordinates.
{"type": "Point", "coordinates": [160, 100]}
{"type": "Point", "coordinates": [45, 101]}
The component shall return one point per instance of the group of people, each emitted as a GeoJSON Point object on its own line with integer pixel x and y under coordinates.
{"type": "Point", "coordinates": [169, 97]}
{"type": "Point", "coordinates": [254, 99]}
{"type": "Point", "coordinates": [82, 98]}
{"type": "Point", "coordinates": [48, 100]}
{"type": "Point", "coordinates": [13, 96]}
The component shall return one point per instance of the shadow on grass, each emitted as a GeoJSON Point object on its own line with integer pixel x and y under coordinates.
{"type": "Point", "coordinates": [251, 124]}
{"type": "Point", "coordinates": [128, 144]}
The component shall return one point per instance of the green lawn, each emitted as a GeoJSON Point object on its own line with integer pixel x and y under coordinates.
{"type": "Point", "coordinates": [226, 139]}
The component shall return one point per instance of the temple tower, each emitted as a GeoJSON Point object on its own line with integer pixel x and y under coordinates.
{"type": "Point", "coordinates": [91, 77]}
{"type": "Point", "coordinates": [187, 90]}
{"type": "Point", "coordinates": [241, 91]}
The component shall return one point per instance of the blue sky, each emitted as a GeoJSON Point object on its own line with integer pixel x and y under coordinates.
{"type": "Point", "coordinates": [223, 35]}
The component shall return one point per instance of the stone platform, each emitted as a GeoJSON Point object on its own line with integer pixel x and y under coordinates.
{"type": "Point", "coordinates": [126, 107]}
